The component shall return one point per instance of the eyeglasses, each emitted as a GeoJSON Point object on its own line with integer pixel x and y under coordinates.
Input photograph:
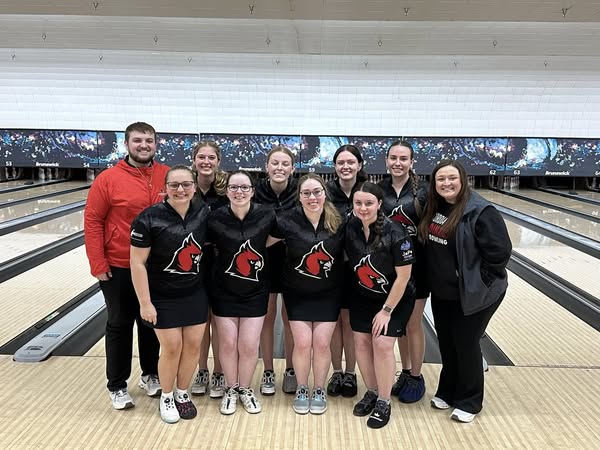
{"type": "Point", "coordinates": [174, 185]}
{"type": "Point", "coordinates": [316, 192]}
{"type": "Point", "coordinates": [241, 187]}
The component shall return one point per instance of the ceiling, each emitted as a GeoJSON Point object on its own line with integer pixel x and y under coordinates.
{"type": "Point", "coordinates": [369, 10]}
{"type": "Point", "coordinates": [490, 28]}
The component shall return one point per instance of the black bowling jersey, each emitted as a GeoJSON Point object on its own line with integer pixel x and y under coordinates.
{"type": "Point", "coordinates": [239, 265]}
{"type": "Point", "coordinates": [212, 198]}
{"type": "Point", "coordinates": [339, 199]}
{"type": "Point", "coordinates": [313, 257]}
{"type": "Point", "coordinates": [401, 208]}
{"type": "Point", "coordinates": [175, 264]}
{"type": "Point", "coordinates": [375, 268]}
{"type": "Point", "coordinates": [265, 195]}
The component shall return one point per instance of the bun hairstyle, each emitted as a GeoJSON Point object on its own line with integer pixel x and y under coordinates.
{"type": "Point", "coordinates": [434, 201]}
{"type": "Point", "coordinates": [361, 176]}
{"type": "Point", "coordinates": [377, 226]}
{"type": "Point", "coordinates": [411, 173]}
{"type": "Point", "coordinates": [332, 218]}
{"type": "Point", "coordinates": [220, 182]}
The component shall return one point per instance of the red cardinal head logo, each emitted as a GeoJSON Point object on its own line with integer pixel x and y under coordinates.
{"type": "Point", "coordinates": [186, 259]}
{"type": "Point", "coordinates": [317, 263]}
{"type": "Point", "coordinates": [246, 263]}
{"type": "Point", "coordinates": [398, 215]}
{"type": "Point", "coordinates": [369, 277]}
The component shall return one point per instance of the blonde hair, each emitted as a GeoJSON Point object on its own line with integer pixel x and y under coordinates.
{"type": "Point", "coordinates": [332, 219]}
{"type": "Point", "coordinates": [220, 182]}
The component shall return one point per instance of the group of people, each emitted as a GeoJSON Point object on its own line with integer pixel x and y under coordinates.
{"type": "Point", "coordinates": [197, 256]}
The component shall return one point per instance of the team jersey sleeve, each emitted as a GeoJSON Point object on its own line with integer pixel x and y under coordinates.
{"type": "Point", "coordinates": [140, 230]}
{"type": "Point", "coordinates": [278, 227]}
{"type": "Point", "coordinates": [272, 220]}
{"type": "Point", "coordinates": [403, 252]}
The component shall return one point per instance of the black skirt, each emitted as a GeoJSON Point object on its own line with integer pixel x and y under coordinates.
{"type": "Point", "coordinates": [228, 306]}
{"type": "Point", "coordinates": [316, 308]}
{"type": "Point", "coordinates": [181, 311]}
{"type": "Point", "coordinates": [363, 310]}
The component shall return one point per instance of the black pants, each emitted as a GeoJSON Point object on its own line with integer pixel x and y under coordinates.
{"type": "Point", "coordinates": [459, 336]}
{"type": "Point", "coordinates": [123, 310]}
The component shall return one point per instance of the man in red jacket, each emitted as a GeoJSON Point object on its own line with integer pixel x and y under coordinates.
{"type": "Point", "coordinates": [117, 196]}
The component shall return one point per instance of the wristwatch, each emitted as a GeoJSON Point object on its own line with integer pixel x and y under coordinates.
{"type": "Point", "coordinates": [387, 308]}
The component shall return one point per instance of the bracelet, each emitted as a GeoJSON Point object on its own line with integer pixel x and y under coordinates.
{"type": "Point", "coordinates": [387, 308]}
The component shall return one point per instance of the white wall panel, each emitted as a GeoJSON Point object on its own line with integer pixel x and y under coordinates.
{"type": "Point", "coordinates": [312, 95]}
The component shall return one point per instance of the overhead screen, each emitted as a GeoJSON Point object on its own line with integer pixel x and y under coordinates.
{"type": "Point", "coordinates": [48, 148]}
{"type": "Point", "coordinates": [479, 155]}
{"type": "Point", "coordinates": [249, 151]}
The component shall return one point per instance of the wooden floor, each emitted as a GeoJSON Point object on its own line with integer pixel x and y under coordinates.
{"type": "Point", "coordinates": [62, 403]}
{"type": "Point", "coordinates": [549, 399]}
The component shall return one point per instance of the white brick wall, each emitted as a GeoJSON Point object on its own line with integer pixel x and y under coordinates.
{"type": "Point", "coordinates": [304, 94]}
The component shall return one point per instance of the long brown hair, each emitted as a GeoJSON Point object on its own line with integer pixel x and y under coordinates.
{"type": "Point", "coordinates": [332, 218]}
{"type": "Point", "coordinates": [411, 173]}
{"type": "Point", "coordinates": [220, 182]}
{"type": "Point", "coordinates": [377, 226]}
{"type": "Point", "coordinates": [434, 201]}
{"type": "Point", "coordinates": [361, 175]}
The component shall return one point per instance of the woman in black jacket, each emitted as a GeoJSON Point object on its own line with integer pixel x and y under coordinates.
{"type": "Point", "coordinates": [278, 190]}
{"type": "Point", "coordinates": [467, 247]}
{"type": "Point", "coordinates": [350, 173]}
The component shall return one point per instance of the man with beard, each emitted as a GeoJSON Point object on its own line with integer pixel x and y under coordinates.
{"type": "Point", "coordinates": [117, 196]}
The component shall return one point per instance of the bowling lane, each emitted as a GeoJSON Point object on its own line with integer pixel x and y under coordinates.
{"type": "Point", "coordinates": [589, 194]}
{"type": "Point", "coordinates": [566, 262]}
{"type": "Point", "coordinates": [569, 203]}
{"type": "Point", "coordinates": [28, 239]}
{"type": "Point", "coordinates": [33, 295]}
{"type": "Point", "coordinates": [550, 215]}
{"type": "Point", "coordinates": [35, 206]}
{"type": "Point", "coordinates": [18, 183]}
{"type": "Point", "coordinates": [39, 190]}
{"type": "Point", "coordinates": [533, 330]}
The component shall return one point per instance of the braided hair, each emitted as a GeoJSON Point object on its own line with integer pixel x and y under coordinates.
{"type": "Point", "coordinates": [414, 181]}
{"type": "Point", "coordinates": [377, 226]}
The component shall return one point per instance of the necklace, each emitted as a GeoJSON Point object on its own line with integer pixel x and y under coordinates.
{"type": "Point", "coordinates": [147, 180]}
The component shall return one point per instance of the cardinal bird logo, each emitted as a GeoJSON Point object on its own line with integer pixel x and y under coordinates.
{"type": "Point", "coordinates": [317, 263]}
{"type": "Point", "coordinates": [186, 260]}
{"type": "Point", "coordinates": [398, 215]}
{"type": "Point", "coordinates": [369, 277]}
{"type": "Point", "coordinates": [246, 263]}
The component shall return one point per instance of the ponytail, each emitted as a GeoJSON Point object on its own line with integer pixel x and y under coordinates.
{"type": "Point", "coordinates": [378, 228]}
{"type": "Point", "coordinates": [415, 191]}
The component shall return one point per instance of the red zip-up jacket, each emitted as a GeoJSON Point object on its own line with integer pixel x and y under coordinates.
{"type": "Point", "coordinates": [116, 197]}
